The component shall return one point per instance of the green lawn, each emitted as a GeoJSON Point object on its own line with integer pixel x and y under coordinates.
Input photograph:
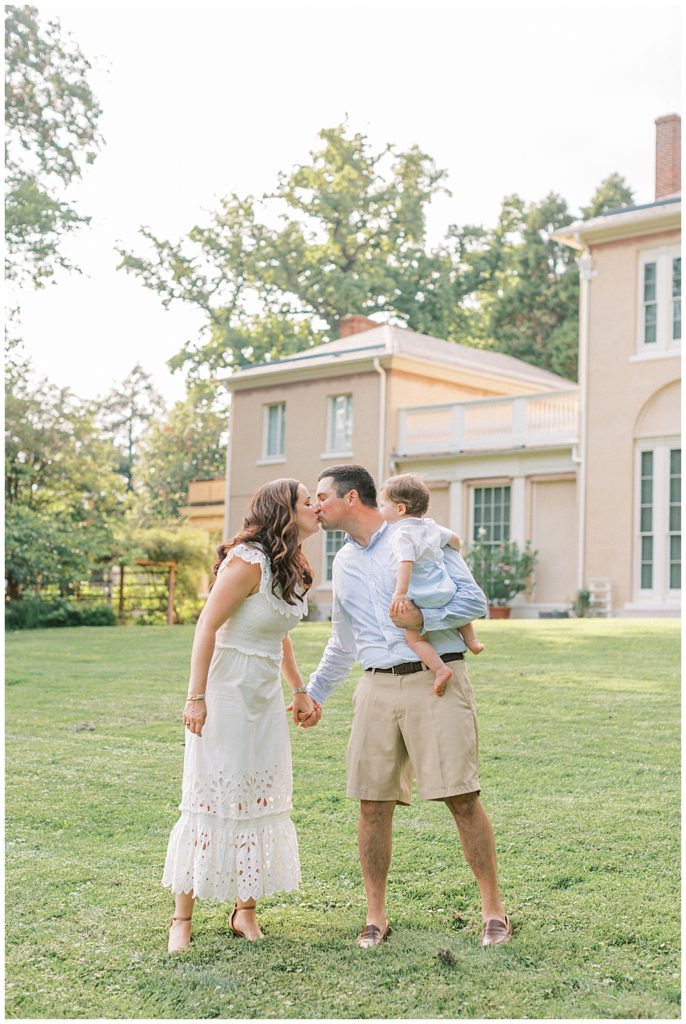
{"type": "Point", "coordinates": [579, 728]}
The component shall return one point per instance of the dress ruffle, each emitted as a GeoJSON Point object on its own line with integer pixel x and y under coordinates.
{"type": "Point", "coordinates": [247, 859]}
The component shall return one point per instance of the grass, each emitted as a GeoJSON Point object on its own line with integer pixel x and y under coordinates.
{"type": "Point", "coordinates": [579, 725]}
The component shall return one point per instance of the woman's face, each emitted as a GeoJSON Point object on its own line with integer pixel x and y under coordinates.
{"type": "Point", "coordinates": [305, 515]}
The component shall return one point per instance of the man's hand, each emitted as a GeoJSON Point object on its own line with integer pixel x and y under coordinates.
{"type": "Point", "coordinates": [306, 711]}
{"type": "Point", "coordinates": [409, 618]}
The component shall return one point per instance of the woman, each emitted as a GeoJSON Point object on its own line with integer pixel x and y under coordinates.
{"type": "Point", "coordinates": [235, 838]}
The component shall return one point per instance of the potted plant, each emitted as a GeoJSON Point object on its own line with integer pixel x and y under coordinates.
{"type": "Point", "coordinates": [502, 571]}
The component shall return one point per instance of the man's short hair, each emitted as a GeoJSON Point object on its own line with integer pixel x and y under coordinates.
{"type": "Point", "coordinates": [352, 478]}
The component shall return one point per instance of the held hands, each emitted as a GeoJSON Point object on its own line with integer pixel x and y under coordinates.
{"type": "Point", "coordinates": [194, 715]}
{"type": "Point", "coordinates": [306, 712]}
{"type": "Point", "coordinates": [400, 603]}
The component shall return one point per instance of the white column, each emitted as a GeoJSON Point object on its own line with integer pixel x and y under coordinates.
{"type": "Point", "coordinates": [518, 510]}
{"type": "Point", "coordinates": [455, 510]}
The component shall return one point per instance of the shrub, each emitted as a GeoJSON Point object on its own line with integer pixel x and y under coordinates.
{"type": "Point", "coordinates": [33, 613]}
{"type": "Point", "coordinates": [502, 571]}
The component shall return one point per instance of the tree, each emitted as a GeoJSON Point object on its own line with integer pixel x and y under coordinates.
{"type": "Point", "coordinates": [51, 118]}
{"type": "Point", "coordinates": [62, 491]}
{"type": "Point", "coordinates": [352, 238]}
{"type": "Point", "coordinates": [611, 194]}
{"type": "Point", "coordinates": [188, 444]}
{"type": "Point", "coordinates": [126, 412]}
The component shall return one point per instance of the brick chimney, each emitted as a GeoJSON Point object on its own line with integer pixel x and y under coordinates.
{"type": "Point", "coordinates": [667, 156]}
{"type": "Point", "coordinates": [353, 323]}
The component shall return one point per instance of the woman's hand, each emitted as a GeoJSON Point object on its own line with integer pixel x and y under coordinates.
{"type": "Point", "coordinates": [194, 716]}
{"type": "Point", "coordinates": [306, 712]}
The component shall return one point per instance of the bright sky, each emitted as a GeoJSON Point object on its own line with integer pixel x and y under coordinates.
{"type": "Point", "coordinates": [201, 100]}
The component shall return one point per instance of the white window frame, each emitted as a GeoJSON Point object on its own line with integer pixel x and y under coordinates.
{"type": "Point", "coordinates": [664, 344]}
{"type": "Point", "coordinates": [270, 458]}
{"type": "Point", "coordinates": [331, 451]}
{"type": "Point", "coordinates": [482, 485]}
{"type": "Point", "coordinates": [660, 594]}
{"type": "Point", "coordinates": [327, 580]}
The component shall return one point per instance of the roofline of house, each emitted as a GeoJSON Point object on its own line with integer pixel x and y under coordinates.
{"type": "Point", "coordinates": [625, 223]}
{"type": "Point", "coordinates": [335, 364]}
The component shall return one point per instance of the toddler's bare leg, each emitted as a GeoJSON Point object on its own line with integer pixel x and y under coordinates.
{"type": "Point", "coordinates": [426, 653]}
{"type": "Point", "coordinates": [468, 634]}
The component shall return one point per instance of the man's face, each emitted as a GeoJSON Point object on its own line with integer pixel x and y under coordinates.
{"type": "Point", "coordinates": [330, 509]}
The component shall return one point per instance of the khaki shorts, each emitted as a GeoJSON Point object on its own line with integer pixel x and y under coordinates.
{"type": "Point", "coordinates": [400, 725]}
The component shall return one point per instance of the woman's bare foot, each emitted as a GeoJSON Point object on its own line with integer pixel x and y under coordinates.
{"type": "Point", "coordinates": [179, 935]}
{"type": "Point", "coordinates": [476, 647]}
{"type": "Point", "coordinates": [243, 922]}
{"type": "Point", "coordinates": [441, 680]}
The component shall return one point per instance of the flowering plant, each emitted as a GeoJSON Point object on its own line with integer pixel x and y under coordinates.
{"type": "Point", "coordinates": [501, 570]}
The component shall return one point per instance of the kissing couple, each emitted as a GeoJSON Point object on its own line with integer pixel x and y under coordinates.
{"type": "Point", "coordinates": [404, 602]}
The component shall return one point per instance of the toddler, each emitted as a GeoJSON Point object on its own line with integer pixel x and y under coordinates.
{"type": "Point", "coordinates": [416, 545]}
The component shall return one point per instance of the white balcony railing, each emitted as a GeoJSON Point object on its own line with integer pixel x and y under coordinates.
{"type": "Point", "coordinates": [527, 421]}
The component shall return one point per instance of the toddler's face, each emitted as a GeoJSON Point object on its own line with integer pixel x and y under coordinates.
{"type": "Point", "coordinates": [390, 511]}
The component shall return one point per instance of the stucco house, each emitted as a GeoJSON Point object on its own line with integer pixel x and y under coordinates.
{"type": "Point", "coordinates": [629, 476]}
{"type": "Point", "coordinates": [588, 473]}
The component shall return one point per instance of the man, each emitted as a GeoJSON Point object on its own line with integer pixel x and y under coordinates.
{"type": "Point", "coordinates": [398, 723]}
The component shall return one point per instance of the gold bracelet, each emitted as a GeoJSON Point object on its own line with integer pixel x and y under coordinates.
{"type": "Point", "coordinates": [301, 689]}
{"type": "Point", "coordinates": [197, 696]}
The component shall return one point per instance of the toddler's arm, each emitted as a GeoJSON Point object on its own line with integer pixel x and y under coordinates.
{"type": "Point", "coordinates": [402, 585]}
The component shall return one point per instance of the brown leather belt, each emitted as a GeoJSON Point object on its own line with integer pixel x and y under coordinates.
{"type": "Point", "coordinates": [408, 667]}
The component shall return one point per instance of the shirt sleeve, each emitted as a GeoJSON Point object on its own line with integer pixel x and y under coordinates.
{"type": "Point", "coordinates": [338, 657]}
{"type": "Point", "coordinates": [468, 603]}
{"type": "Point", "coordinates": [404, 544]}
{"type": "Point", "coordinates": [445, 534]}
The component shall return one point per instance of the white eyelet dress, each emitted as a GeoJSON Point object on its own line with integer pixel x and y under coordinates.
{"type": "Point", "coordinates": [235, 837]}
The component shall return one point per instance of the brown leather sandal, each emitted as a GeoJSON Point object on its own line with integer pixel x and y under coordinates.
{"type": "Point", "coordinates": [236, 931]}
{"type": "Point", "coordinates": [178, 949]}
{"type": "Point", "coordinates": [371, 936]}
{"type": "Point", "coordinates": [496, 932]}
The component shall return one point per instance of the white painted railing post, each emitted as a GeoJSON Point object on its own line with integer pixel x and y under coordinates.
{"type": "Point", "coordinates": [519, 421]}
{"type": "Point", "coordinates": [457, 428]}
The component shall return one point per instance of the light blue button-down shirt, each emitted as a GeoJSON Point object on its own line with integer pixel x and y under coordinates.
{"type": "Point", "coordinates": [361, 628]}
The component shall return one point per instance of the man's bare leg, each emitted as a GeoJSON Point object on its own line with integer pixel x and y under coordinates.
{"type": "Point", "coordinates": [478, 844]}
{"type": "Point", "coordinates": [374, 838]}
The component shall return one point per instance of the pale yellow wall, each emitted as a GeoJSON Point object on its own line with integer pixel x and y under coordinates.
{"type": "Point", "coordinates": [439, 504]}
{"type": "Point", "coordinates": [205, 508]}
{"type": "Point", "coordinates": [554, 519]}
{"type": "Point", "coordinates": [306, 419]}
{"type": "Point", "coordinates": [617, 391]}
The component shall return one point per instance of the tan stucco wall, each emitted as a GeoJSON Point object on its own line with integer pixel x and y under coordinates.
{"type": "Point", "coordinates": [618, 389]}
{"type": "Point", "coordinates": [554, 519]}
{"type": "Point", "coordinates": [306, 419]}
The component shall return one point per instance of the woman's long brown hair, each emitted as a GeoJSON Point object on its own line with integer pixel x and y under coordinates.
{"type": "Point", "coordinates": [271, 525]}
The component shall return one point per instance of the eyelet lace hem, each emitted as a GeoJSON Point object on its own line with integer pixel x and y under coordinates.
{"type": "Point", "coordinates": [247, 861]}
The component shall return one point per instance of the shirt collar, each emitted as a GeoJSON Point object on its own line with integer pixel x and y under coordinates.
{"type": "Point", "coordinates": [372, 540]}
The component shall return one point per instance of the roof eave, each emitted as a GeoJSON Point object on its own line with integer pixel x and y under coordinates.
{"type": "Point", "coordinates": [634, 223]}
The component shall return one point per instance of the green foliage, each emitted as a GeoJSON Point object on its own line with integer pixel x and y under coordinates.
{"type": "Point", "coordinates": [126, 412]}
{"type": "Point", "coordinates": [188, 444]}
{"type": "Point", "coordinates": [502, 571]}
{"type": "Point", "coordinates": [51, 118]}
{"type": "Point", "coordinates": [352, 239]}
{"type": "Point", "coordinates": [579, 774]}
{"type": "Point", "coordinates": [170, 542]}
{"type": "Point", "coordinates": [611, 194]}
{"type": "Point", "coordinates": [34, 613]}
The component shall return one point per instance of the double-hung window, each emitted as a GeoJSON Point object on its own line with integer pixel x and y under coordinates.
{"type": "Point", "coordinates": [339, 431]}
{"type": "Point", "coordinates": [333, 542]}
{"type": "Point", "coordinates": [659, 307]}
{"type": "Point", "coordinates": [491, 514]}
{"type": "Point", "coordinates": [658, 514]}
{"type": "Point", "coordinates": [274, 432]}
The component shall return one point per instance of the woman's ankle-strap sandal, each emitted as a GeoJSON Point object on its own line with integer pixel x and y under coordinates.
{"type": "Point", "coordinates": [236, 931]}
{"type": "Point", "coordinates": [182, 946]}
